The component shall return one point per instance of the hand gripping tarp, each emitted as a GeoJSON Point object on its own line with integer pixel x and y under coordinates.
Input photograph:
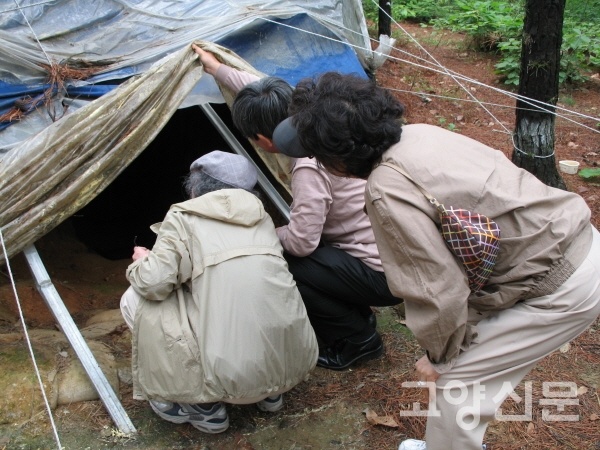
{"type": "Point", "coordinates": [49, 177]}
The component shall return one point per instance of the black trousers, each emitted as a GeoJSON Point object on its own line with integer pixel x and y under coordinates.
{"type": "Point", "coordinates": [338, 291]}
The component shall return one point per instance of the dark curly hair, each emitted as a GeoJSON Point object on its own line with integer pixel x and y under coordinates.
{"type": "Point", "coordinates": [346, 121]}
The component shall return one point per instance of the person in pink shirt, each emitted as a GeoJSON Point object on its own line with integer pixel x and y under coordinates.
{"type": "Point", "coordinates": [329, 243]}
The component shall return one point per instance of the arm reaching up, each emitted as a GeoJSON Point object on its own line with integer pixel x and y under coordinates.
{"type": "Point", "coordinates": [209, 61]}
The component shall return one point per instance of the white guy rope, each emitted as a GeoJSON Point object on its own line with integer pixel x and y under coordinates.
{"type": "Point", "coordinates": [34, 35]}
{"type": "Point", "coordinates": [462, 77]}
{"type": "Point", "coordinates": [18, 8]}
{"type": "Point", "coordinates": [447, 97]}
{"type": "Point", "coordinates": [465, 78]}
{"type": "Point", "coordinates": [455, 78]}
{"type": "Point", "coordinates": [522, 98]}
{"type": "Point", "coordinates": [35, 366]}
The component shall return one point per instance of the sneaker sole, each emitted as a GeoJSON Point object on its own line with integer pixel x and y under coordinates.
{"type": "Point", "coordinates": [212, 428]}
{"type": "Point", "coordinates": [206, 427]}
{"type": "Point", "coordinates": [270, 407]}
{"type": "Point", "coordinates": [373, 354]}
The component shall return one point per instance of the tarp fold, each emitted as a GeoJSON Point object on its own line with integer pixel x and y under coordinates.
{"type": "Point", "coordinates": [49, 177]}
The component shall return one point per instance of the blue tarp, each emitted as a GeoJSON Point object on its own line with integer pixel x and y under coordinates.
{"type": "Point", "coordinates": [300, 47]}
{"type": "Point", "coordinates": [34, 95]}
{"type": "Point", "coordinates": [288, 48]}
{"type": "Point", "coordinates": [291, 40]}
{"type": "Point", "coordinates": [75, 144]}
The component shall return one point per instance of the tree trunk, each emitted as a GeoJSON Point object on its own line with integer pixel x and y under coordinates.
{"type": "Point", "coordinates": [384, 21]}
{"type": "Point", "coordinates": [540, 65]}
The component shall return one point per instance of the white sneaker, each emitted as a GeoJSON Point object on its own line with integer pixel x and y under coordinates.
{"type": "Point", "coordinates": [271, 404]}
{"type": "Point", "coordinates": [213, 419]}
{"type": "Point", "coordinates": [415, 444]}
{"type": "Point", "coordinates": [412, 444]}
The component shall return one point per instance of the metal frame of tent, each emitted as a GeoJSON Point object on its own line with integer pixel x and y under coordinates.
{"type": "Point", "coordinates": [14, 41]}
{"type": "Point", "coordinates": [68, 326]}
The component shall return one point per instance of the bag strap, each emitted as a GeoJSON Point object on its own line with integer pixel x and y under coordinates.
{"type": "Point", "coordinates": [429, 197]}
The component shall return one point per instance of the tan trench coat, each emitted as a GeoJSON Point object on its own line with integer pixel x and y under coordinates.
{"type": "Point", "coordinates": [222, 318]}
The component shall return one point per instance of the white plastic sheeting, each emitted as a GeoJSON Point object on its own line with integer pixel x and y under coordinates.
{"type": "Point", "coordinates": [131, 35]}
{"type": "Point", "coordinates": [125, 38]}
{"type": "Point", "coordinates": [49, 177]}
{"type": "Point", "coordinates": [53, 164]}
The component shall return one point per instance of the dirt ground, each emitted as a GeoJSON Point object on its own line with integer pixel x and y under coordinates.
{"type": "Point", "coordinates": [331, 410]}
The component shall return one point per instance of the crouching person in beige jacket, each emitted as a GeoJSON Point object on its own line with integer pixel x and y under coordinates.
{"type": "Point", "coordinates": [215, 314]}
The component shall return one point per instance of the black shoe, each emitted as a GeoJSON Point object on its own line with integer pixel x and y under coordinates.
{"type": "Point", "coordinates": [344, 353]}
{"type": "Point", "coordinates": [372, 320]}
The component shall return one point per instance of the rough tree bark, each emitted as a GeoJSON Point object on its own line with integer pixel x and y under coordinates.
{"type": "Point", "coordinates": [384, 21]}
{"type": "Point", "coordinates": [540, 64]}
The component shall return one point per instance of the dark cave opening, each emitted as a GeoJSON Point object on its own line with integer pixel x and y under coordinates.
{"type": "Point", "coordinates": [121, 215]}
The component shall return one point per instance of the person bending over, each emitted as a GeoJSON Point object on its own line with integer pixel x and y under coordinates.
{"type": "Point", "coordinates": [329, 243]}
{"type": "Point", "coordinates": [543, 291]}
{"type": "Point", "coordinates": [215, 314]}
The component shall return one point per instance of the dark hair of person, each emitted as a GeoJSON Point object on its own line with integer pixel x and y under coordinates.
{"type": "Point", "coordinates": [197, 183]}
{"type": "Point", "coordinates": [345, 121]}
{"type": "Point", "coordinates": [260, 106]}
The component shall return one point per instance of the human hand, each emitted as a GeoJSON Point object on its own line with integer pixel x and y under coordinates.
{"type": "Point", "coordinates": [425, 370]}
{"type": "Point", "coordinates": [139, 252]}
{"type": "Point", "coordinates": [208, 60]}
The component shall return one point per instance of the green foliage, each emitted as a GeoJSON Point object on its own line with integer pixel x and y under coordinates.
{"type": "Point", "coordinates": [371, 10]}
{"type": "Point", "coordinates": [579, 52]}
{"type": "Point", "coordinates": [450, 126]}
{"type": "Point", "coordinates": [590, 174]}
{"type": "Point", "coordinates": [422, 11]}
{"type": "Point", "coordinates": [582, 10]}
{"type": "Point", "coordinates": [496, 25]}
{"type": "Point", "coordinates": [567, 100]}
{"type": "Point", "coordinates": [412, 10]}
{"type": "Point", "coordinates": [580, 49]}
{"type": "Point", "coordinates": [488, 22]}
{"type": "Point", "coordinates": [510, 64]}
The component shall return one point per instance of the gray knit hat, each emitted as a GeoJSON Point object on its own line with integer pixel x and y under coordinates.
{"type": "Point", "coordinates": [230, 168]}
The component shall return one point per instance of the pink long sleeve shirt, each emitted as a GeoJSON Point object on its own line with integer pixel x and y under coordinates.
{"type": "Point", "coordinates": [325, 207]}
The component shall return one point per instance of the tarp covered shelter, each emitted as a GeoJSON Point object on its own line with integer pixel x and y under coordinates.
{"type": "Point", "coordinates": [86, 86]}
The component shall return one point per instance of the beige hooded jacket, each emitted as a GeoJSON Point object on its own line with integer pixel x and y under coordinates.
{"type": "Point", "coordinates": [222, 318]}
